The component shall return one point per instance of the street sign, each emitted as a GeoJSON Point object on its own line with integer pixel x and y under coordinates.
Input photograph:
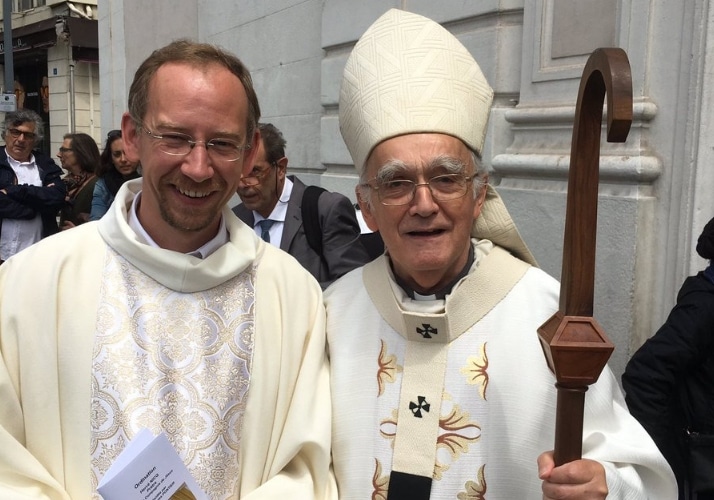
{"type": "Point", "coordinates": [8, 103]}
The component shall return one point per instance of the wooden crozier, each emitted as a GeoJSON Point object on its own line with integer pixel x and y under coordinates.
{"type": "Point", "coordinates": [574, 344]}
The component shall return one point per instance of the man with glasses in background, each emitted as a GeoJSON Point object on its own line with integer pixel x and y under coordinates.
{"type": "Point", "coordinates": [317, 227]}
{"type": "Point", "coordinates": [440, 388]}
{"type": "Point", "coordinates": [168, 314]}
{"type": "Point", "coordinates": [31, 188]}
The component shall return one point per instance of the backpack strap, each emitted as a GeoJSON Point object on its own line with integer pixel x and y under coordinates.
{"type": "Point", "coordinates": [311, 217]}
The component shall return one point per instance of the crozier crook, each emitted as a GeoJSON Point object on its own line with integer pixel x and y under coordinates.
{"type": "Point", "coordinates": [574, 344]}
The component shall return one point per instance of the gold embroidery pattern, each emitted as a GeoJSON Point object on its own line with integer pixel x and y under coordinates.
{"type": "Point", "coordinates": [388, 427]}
{"type": "Point", "coordinates": [173, 362]}
{"type": "Point", "coordinates": [388, 368]}
{"type": "Point", "coordinates": [456, 433]}
{"type": "Point", "coordinates": [108, 454]}
{"type": "Point", "coordinates": [380, 483]}
{"type": "Point", "coordinates": [214, 469]}
{"type": "Point", "coordinates": [475, 490]}
{"type": "Point", "coordinates": [476, 371]}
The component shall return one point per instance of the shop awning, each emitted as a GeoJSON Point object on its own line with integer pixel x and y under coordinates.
{"type": "Point", "coordinates": [35, 35]}
{"type": "Point", "coordinates": [83, 34]}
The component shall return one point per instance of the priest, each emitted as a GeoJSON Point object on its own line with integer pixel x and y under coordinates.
{"type": "Point", "coordinates": [168, 314]}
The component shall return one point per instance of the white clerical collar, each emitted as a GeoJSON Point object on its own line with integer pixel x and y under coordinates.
{"type": "Point", "coordinates": [221, 238]}
{"type": "Point", "coordinates": [441, 293]}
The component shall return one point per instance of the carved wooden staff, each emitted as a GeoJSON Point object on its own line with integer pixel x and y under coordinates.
{"type": "Point", "coordinates": [574, 345]}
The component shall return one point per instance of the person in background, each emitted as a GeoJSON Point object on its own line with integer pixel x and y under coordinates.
{"type": "Point", "coordinates": [114, 170]}
{"type": "Point", "coordinates": [168, 314]}
{"type": "Point", "coordinates": [31, 187]}
{"type": "Point", "coordinates": [439, 384]}
{"type": "Point", "coordinates": [325, 240]}
{"type": "Point", "coordinates": [20, 95]}
{"type": "Point", "coordinates": [669, 381]}
{"type": "Point", "coordinates": [79, 155]}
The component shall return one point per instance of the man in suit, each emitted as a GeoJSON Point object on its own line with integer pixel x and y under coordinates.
{"type": "Point", "coordinates": [272, 203]}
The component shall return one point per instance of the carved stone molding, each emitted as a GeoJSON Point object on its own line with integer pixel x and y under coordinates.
{"type": "Point", "coordinates": [541, 148]}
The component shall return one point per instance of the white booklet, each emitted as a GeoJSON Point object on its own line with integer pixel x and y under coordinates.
{"type": "Point", "coordinates": [149, 468]}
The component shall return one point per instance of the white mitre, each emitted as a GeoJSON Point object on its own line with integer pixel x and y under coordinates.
{"type": "Point", "coordinates": [407, 74]}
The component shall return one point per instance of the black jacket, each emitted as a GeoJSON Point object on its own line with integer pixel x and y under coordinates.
{"type": "Point", "coordinates": [670, 379]}
{"type": "Point", "coordinates": [24, 202]}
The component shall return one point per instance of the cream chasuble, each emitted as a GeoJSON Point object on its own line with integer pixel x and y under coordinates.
{"type": "Point", "coordinates": [419, 427]}
{"type": "Point", "coordinates": [102, 334]}
{"type": "Point", "coordinates": [173, 362]}
{"type": "Point", "coordinates": [473, 367]}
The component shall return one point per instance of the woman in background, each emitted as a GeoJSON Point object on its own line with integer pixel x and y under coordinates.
{"type": "Point", "coordinates": [114, 170]}
{"type": "Point", "coordinates": [79, 155]}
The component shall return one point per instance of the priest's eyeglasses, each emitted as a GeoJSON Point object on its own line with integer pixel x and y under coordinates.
{"type": "Point", "coordinates": [445, 187]}
{"type": "Point", "coordinates": [177, 144]}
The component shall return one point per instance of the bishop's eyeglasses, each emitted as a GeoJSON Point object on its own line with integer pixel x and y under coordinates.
{"type": "Point", "coordinates": [177, 144]}
{"type": "Point", "coordinates": [444, 187]}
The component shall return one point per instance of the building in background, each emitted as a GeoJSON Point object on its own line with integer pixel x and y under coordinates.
{"type": "Point", "coordinates": [656, 189]}
{"type": "Point", "coordinates": [56, 65]}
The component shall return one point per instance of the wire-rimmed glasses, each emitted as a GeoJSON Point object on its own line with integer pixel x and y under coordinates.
{"type": "Point", "coordinates": [178, 144]}
{"type": "Point", "coordinates": [256, 175]}
{"type": "Point", "coordinates": [444, 187]}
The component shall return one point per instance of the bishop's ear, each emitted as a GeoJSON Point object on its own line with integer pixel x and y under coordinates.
{"type": "Point", "coordinates": [365, 205]}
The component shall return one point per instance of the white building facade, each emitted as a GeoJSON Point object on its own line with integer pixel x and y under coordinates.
{"type": "Point", "coordinates": [656, 190]}
{"type": "Point", "coordinates": [56, 66]}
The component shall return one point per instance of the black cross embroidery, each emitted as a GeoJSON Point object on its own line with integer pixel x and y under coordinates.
{"type": "Point", "coordinates": [416, 408]}
{"type": "Point", "coordinates": [427, 331]}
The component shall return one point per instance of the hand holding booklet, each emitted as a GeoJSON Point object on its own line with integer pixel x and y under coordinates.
{"type": "Point", "coordinates": [149, 468]}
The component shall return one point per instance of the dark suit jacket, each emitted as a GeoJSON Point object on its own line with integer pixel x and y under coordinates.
{"type": "Point", "coordinates": [341, 248]}
{"type": "Point", "coordinates": [24, 202]}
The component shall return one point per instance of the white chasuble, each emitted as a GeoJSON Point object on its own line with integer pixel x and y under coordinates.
{"type": "Point", "coordinates": [429, 403]}
{"type": "Point", "coordinates": [173, 362]}
{"type": "Point", "coordinates": [496, 413]}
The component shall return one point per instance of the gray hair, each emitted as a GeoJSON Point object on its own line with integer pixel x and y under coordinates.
{"type": "Point", "coordinates": [449, 163]}
{"type": "Point", "coordinates": [16, 118]}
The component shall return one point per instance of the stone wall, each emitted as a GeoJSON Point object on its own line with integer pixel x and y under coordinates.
{"type": "Point", "coordinates": [655, 192]}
